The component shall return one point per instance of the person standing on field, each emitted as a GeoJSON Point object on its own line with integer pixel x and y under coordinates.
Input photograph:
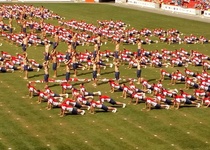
{"type": "Point", "coordinates": [69, 51]}
{"type": "Point", "coordinates": [94, 72]}
{"type": "Point", "coordinates": [117, 71]}
{"type": "Point", "coordinates": [138, 72]}
{"type": "Point", "coordinates": [10, 25]}
{"type": "Point", "coordinates": [117, 50]}
{"type": "Point", "coordinates": [56, 41]}
{"type": "Point", "coordinates": [54, 63]}
{"type": "Point", "coordinates": [98, 39]}
{"type": "Point", "coordinates": [25, 65]}
{"type": "Point", "coordinates": [96, 49]}
{"type": "Point", "coordinates": [25, 43]}
{"type": "Point", "coordinates": [47, 51]}
{"type": "Point", "coordinates": [74, 41]}
{"type": "Point", "coordinates": [74, 63]}
{"type": "Point", "coordinates": [67, 63]}
{"type": "Point", "coordinates": [46, 71]}
{"type": "Point", "coordinates": [24, 26]}
{"type": "Point", "coordinates": [138, 47]}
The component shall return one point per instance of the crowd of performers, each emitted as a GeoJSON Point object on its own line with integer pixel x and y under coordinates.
{"type": "Point", "coordinates": [27, 18]}
{"type": "Point", "coordinates": [160, 97]}
{"type": "Point", "coordinates": [75, 33]}
{"type": "Point", "coordinates": [81, 99]}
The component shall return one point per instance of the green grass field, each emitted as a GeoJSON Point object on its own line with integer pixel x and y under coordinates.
{"type": "Point", "coordinates": [26, 125]}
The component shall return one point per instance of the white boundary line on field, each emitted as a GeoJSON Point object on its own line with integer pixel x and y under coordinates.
{"type": "Point", "coordinates": [80, 80]}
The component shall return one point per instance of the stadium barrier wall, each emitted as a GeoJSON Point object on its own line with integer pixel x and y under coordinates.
{"type": "Point", "coordinates": [144, 4]}
{"type": "Point", "coordinates": [45, 0]}
{"type": "Point", "coordinates": [180, 9]}
{"type": "Point", "coordinates": [120, 1]}
{"type": "Point", "coordinates": [171, 8]}
{"type": "Point", "coordinates": [206, 13]}
{"type": "Point", "coordinates": [96, 1]}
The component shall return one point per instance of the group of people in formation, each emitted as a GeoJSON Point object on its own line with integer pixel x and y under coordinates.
{"type": "Point", "coordinates": [26, 17]}
{"type": "Point", "coordinates": [98, 59]}
{"type": "Point", "coordinates": [161, 97]}
{"type": "Point", "coordinates": [80, 99]}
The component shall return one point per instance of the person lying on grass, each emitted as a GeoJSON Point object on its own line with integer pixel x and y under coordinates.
{"type": "Point", "coordinates": [99, 105]}
{"type": "Point", "coordinates": [66, 109]}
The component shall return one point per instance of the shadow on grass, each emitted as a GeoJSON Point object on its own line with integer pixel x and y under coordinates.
{"type": "Point", "coordinates": [107, 72]}
{"type": "Point", "coordinates": [70, 114]}
{"type": "Point", "coordinates": [192, 87]}
{"type": "Point", "coordinates": [53, 85]}
{"type": "Point", "coordinates": [37, 75]}
{"type": "Point", "coordinates": [61, 75]}
{"type": "Point", "coordinates": [102, 111]}
{"type": "Point", "coordinates": [169, 79]}
{"type": "Point", "coordinates": [68, 92]}
{"type": "Point", "coordinates": [84, 73]}
{"type": "Point", "coordinates": [150, 80]}
{"type": "Point", "coordinates": [117, 91]}
{"type": "Point", "coordinates": [116, 106]}
{"type": "Point", "coordinates": [124, 82]}
{"type": "Point", "coordinates": [180, 82]}
{"type": "Point", "coordinates": [101, 83]}
{"type": "Point", "coordinates": [61, 65]}
{"type": "Point", "coordinates": [139, 102]}
{"type": "Point", "coordinates": [78, 83]}
{"type": "Point", "coordinates": [35, 95]}
{"type": "Point", "coordinates": [188, 106]}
